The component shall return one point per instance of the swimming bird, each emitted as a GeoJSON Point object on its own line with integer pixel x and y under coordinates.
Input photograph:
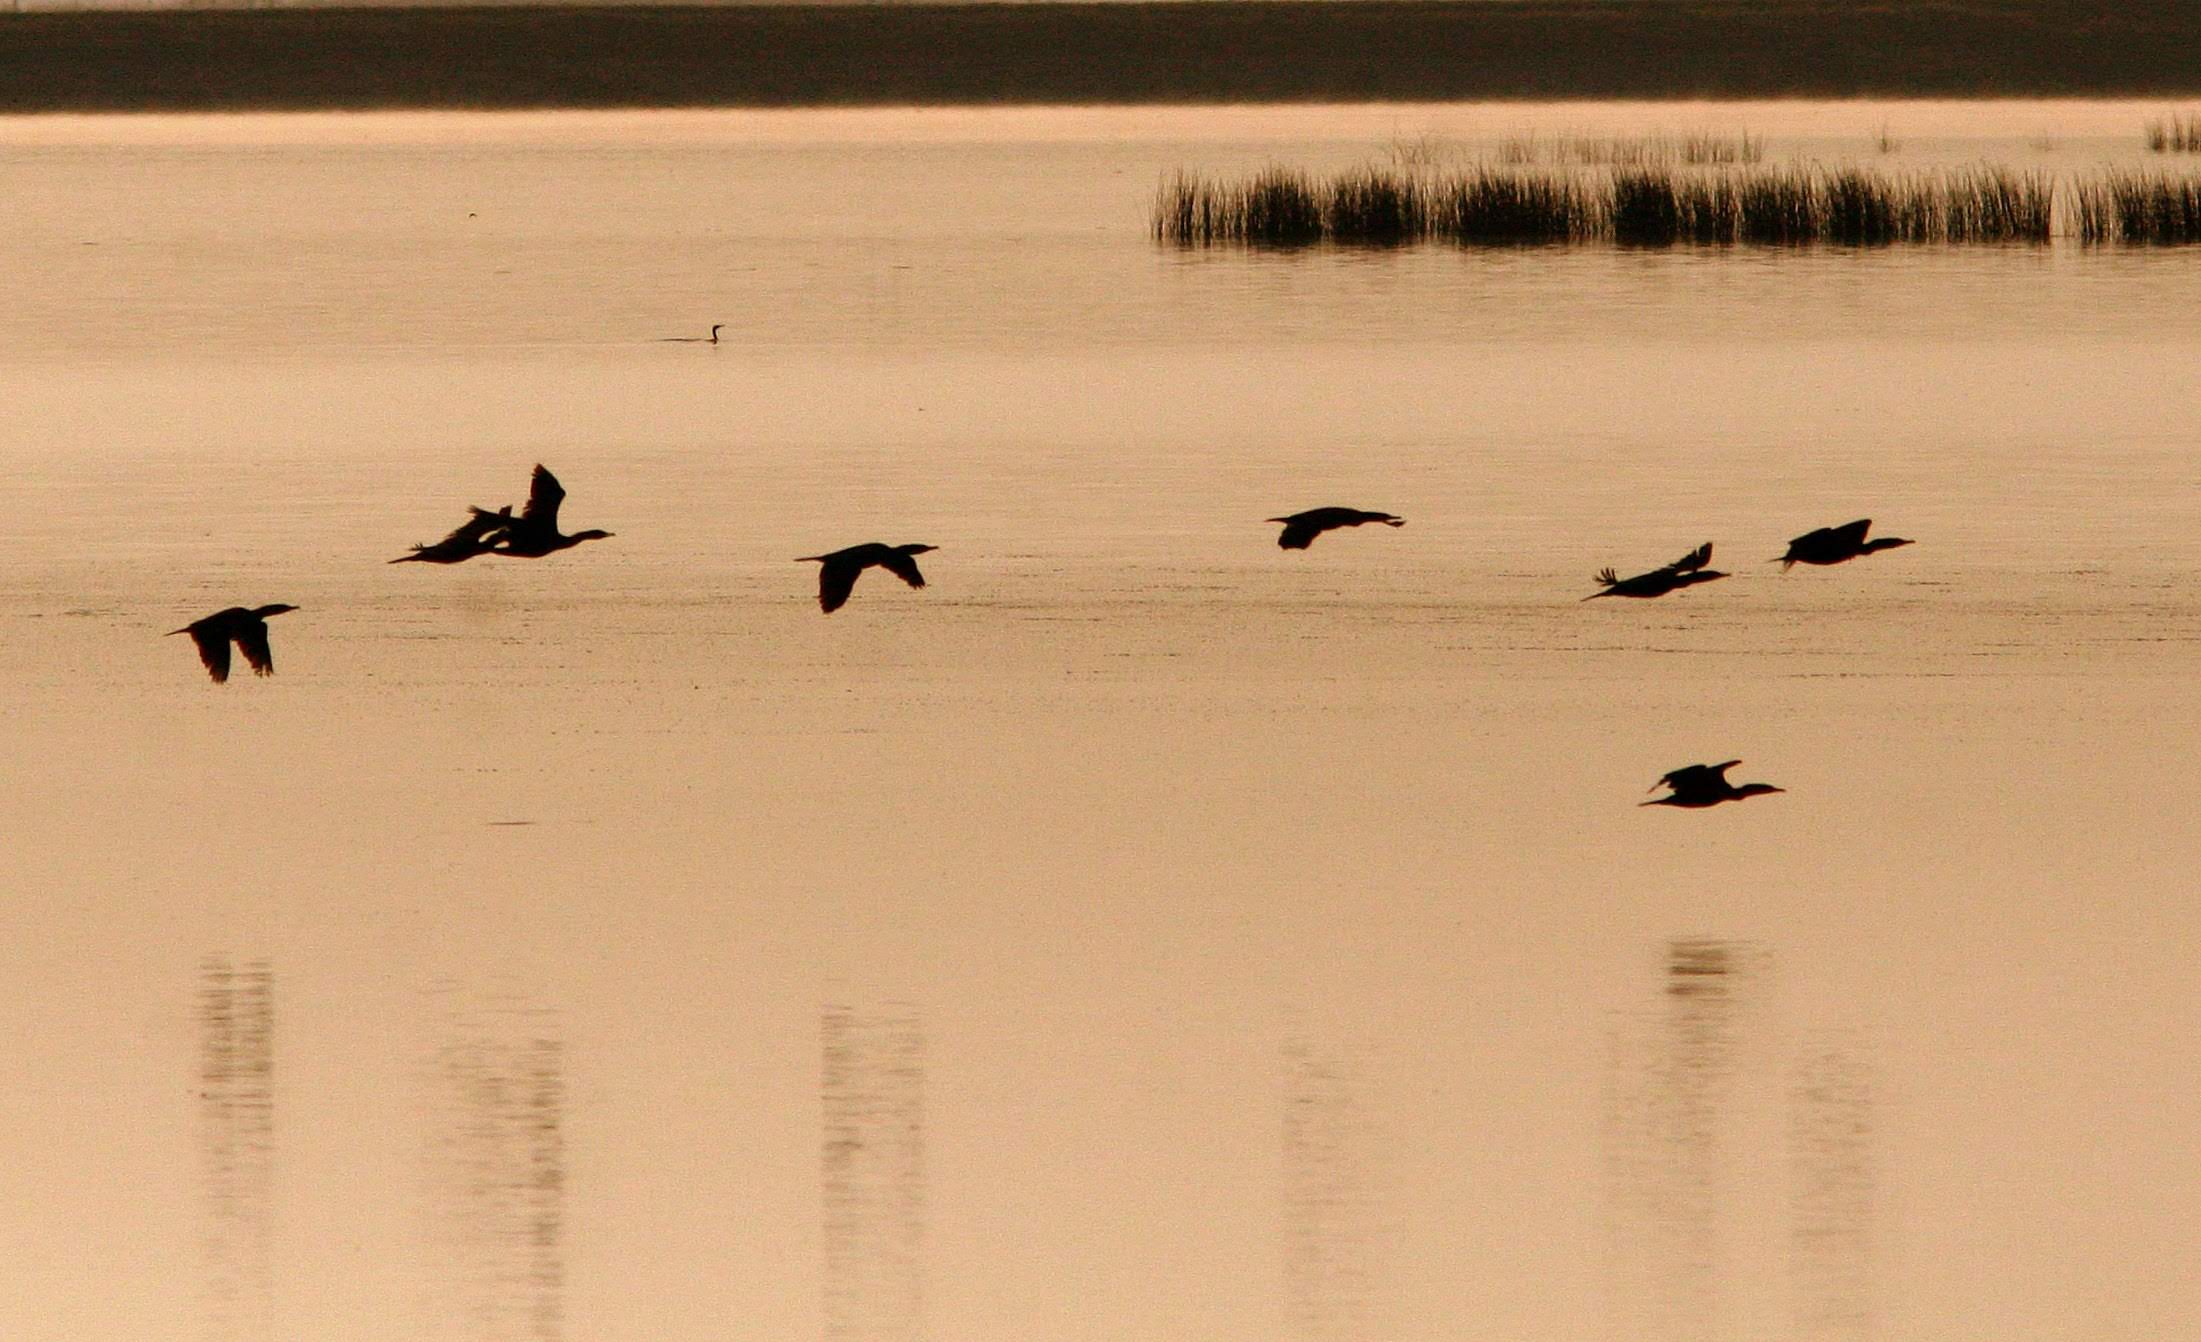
{"type": "Point", "coordinates": [838, 576]}
{"type": "Point", "coordinates": [246, 628]}
{"type": "Point", "coordinates": [693, 340]}
{"type": "Point", "coordinates": [1300, 529]}
{"type": "Point", "coordinates": [1705, 785]}
{"type": "Point", "coordinates": [1686, 571]}
{"type": "Point", "coordinates": [1835, 545]}
{"type": "Point", "coordinates": [472, 537]}
{"type": "Point", "coordinates": [534, 533]}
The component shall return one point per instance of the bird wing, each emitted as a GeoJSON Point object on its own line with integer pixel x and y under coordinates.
{"type": "Point", "coordinates": [1696, 777]}
{"type": "Point", "coordinates": [213, 650]}
{"type": "Point", "coordinates": [479, 525]}
{"type": "Point", "coordinates": [1691, 561]}
{"type": "Point", "coordinates": [252, 641]}
{"type": "Point", "coordinates": [1850, 533]}
{"type": "Point", "coordinates": [1299, 533]}
{"type": "Point", "coordinates": [902, 566]}
{"type": "Point", "coordinates": [836, 579]}
{"type": "Point", "coordinates": [544, 494]}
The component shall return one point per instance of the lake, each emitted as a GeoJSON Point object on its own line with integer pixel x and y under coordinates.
{"type": "Point", "coordinates": [1141, 932]}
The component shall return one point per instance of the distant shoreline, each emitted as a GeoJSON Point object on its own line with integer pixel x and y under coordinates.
{"type": "Point", "coordinates": [1194, 51]}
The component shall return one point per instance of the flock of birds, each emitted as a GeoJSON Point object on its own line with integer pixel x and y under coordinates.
{"type": "Point", "coordinates": [534, 534]}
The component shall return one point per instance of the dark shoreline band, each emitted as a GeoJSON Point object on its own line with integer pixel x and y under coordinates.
{"type": "Point", "coordinates": [1206, 51]}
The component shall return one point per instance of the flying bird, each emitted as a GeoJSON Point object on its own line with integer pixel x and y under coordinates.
{"type": "Point", "coordinates": [1684, 572]}
{"type": "Point", "coordinates": [838, 576]}
{"type": "Point", "coordinates": [1300, 529]}
{"type": "Point", "coordinates": [534, 533]}
{"type": "Point", "coordinates": [246, 628]}
{"type": "Point", "coordinates": [1835, 545]}
{"type": "Point", "coordinates": [472, 537]}
{"type": "Point", "coordinates": [693, 340]}
{"type": "Point", "coordinates": [1701, 785]}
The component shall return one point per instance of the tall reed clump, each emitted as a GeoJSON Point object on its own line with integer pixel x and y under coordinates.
{"type": "Point", "coordinates": [2178, 133]}
{"type": "Point", "coordinates": [1276, 207]}
{"type": "Point", "coordinates": [2155, 209]}
{"type": "Point", "coordinates": [1492, 207]}
{"type": "Point", "coordinates": [1374, 207]}
{"type": "Point", "coordinates": [1791, 205]}
{"type": "Point", "coordinates": [1997, 205]}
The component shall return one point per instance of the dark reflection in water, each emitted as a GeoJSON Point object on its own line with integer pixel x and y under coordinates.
{"type": "Point", "coordinates": [1329, 1203]}
{"type": "Point", "coordinates": [872, 1172]}
{"type": "Point", "coordinates": [1832, 1192]}
{"type": "Point", "coordinates": [1669, 1130]}
{"type": "Point", "coordinates": [236, 1011]}
{"type": "Point", "coordinates": [498, 1150]}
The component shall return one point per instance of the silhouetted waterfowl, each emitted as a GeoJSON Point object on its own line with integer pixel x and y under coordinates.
{"type": "Point", "coordinates": [534, 533]}
{"type": "Point", "coordinates": [1834, 545]}
{"type": "Point", "coordinates": [838, 578]}
{"type": "Point", "coordinates": [1705, 785]}
{"type": "Point", "coordinates": [1300, 529]}
{"type": "Point", "coordinates": [1684, 572]}
{"type": "Point", "coordinates": [246, 628]}
{"type": "Point", "coordinates": [712, 339]}
{"type": "Point", "coordinates": [473, 537]}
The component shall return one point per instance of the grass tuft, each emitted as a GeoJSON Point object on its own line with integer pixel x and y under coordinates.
{"type": "Point", "coordinates": [2177, 133]}
{"type": "Point", "coordinates": [1668, 206]}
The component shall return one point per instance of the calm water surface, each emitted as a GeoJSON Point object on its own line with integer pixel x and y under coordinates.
{"type": "Point", "coordinates": [1140, 933]}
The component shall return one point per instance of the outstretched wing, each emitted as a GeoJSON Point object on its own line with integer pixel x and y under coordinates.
{"type": "Point", "coordinates": [1692, 561]}
{"type": "Point", "coordinates": [252, 641]}
{"type": "Point", "coordinates": [213, 650]}
{"type": "Point", "coordinates": [1850, 534]}
{"type": "Point", "coordinates": [1696, 777]}
{"type": "Point", "coordinates": [544, 494]}
{"type": "Point", "coordinates": [1298, 534]}
{"type": "Point", "coordinates": [902, 566]}
{"type": "Point", "coordinates": [835, 581]}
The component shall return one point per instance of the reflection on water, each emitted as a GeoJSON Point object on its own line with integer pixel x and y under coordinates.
{"type": "Point", "coordinates": [1670, 1129]}
{"type": "Point", "coordinates": [497, 1151]}
{"type": "Point", "coordinates": [236, 1018]}
{"type": "Point", "coordinates": [871, 1177]}
{"type": "Point", "coordinates": [1330, 1238]}
{"type": "Point", "coordinates": [1831, 1242]}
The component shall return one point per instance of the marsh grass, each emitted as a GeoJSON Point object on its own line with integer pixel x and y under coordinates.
{"type": "Point", "coordinates": [2178, 133]}
{"type": "Point", "coordinates": [2146, 209]}
{"type": "Point", "coordinates": [1592, 151]}
{"type": "Point", "coordinates": [1487, 204]}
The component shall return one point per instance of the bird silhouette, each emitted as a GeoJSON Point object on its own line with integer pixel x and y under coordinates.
{"type": "Point", "coordinates": [472, 537]}
{"type": "Point", "coordinates": [1701, 785]}
{"type": "Point", "coordinates": [1686, 571]}
{"type": "Point", "coordinates": [1835, 545]}
{"type": "Point", "coordinates": [712, 339]}
{"type": "Point", "coordinates": [1300, 529]}
{"type": "Point", "coordinates": [246, 628]}
{"type": "Point", "coordinates": [838, 576]}
{"type": "Point", "coordinates": [534, 533]}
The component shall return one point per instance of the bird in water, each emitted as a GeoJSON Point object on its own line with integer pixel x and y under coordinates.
{"type": "Point", "coordinates": [1684, 572]}
{"type": "Point", "coordinates": [712, 339]}
{"type": "Point", "coordinates": [838, 576]}
{"type": "Point", "coordinates": [1701, 785]}
{"type": "Point", "coordinates": [534, 533]}
{"type": "Point", "coordinates": [473, 537]}
{"type": "Point", "coordinates": [1300, 529]}
{"type": "Point", "coordinates": [1835, 545]}
{"type": "Point", "coordinates": [246, 628]}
